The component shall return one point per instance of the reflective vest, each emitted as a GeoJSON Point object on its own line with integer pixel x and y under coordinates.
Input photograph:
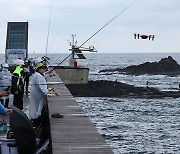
{"type": "Point", "coordinates": [18, 71]}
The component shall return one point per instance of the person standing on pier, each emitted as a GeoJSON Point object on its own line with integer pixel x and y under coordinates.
{"type": "Point", "coordinates": [27, 75]}
{"type": "Point", "coordinates": [5, 83]}
{"type": "Point", "coordinates": [38, 94]}
{"type": "Point", "coordinates": [17, 84]}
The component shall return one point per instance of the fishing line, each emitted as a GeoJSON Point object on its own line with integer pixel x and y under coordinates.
{"type": "Point", "coordinates": [97, 32]}
{"type": "Point", "coordinates": [51, 43]}
{"type": "Point", "coordinates": [48, 27]}
{"type": "Point", "coordinates": [108, 23]}
{"type": "Point", "coordinates": [49, 83]}
{"type": "Point", "coordinates": [60, 62]}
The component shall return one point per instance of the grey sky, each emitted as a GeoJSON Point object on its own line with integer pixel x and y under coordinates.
{"type": "Point", "coordinates": [85, 17]}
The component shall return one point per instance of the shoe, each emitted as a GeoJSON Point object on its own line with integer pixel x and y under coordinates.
{"type": "Point", "coordinates": [56, 115]}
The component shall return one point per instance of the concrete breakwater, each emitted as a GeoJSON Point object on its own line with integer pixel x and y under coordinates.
{"type": "Point", "coordinates": [74, 133]}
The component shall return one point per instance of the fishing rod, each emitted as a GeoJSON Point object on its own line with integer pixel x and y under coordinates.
{"type": "Point", "coordinates": [48, 83]}
{"type": "Point", "coordinates": [96, 32]}
{"type": "Point", "coordinates": [108, 23]}
{"type": "Point", "coordinates": [60, 62]}
{"type": "Point", "coordinates": [47, 41]}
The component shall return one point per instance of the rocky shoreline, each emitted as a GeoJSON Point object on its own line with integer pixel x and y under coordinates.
{"type": "Point", "coordinates": [166, 66]}
{"type": "Point", "coordinates": [104, 88]}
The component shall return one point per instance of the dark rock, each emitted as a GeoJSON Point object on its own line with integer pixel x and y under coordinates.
{"type": "Point", "coordinates": [166, 66]}
{"type": "Point", "coordinates": [103, 88]}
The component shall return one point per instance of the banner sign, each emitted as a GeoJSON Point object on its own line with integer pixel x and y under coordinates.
{"type": "Point", "coordinates": [12, 54]}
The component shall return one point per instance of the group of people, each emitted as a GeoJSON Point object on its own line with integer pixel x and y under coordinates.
{"type": "Point", "coordinates": [16, 83]}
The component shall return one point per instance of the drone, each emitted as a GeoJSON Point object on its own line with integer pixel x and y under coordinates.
{"type": "Point", "coordinates": [144, 36]}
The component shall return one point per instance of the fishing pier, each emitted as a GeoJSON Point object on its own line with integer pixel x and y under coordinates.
{"type": "Point", "coordinates": [70, 133]}
{"type": "Point", "coordinates": [74, 133]}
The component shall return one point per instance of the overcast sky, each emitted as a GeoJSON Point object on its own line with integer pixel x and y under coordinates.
{"type": "Point", "coordinates": [84, 17]}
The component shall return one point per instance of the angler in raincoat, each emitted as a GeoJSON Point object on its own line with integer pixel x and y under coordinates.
{"type": "Point", "coordinates": [17, 84]}
{"type": "Point", "coordinates": [5, 83]}
{"type": "Point", "coordinates": [38, 94]}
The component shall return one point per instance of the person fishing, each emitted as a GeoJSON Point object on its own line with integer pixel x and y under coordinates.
{"type": "Point", "coordinates": [38, 93]}
{"type": "Point", "coordinates": [5, 83]}
{"type": "Point", "coordinates": [17, 84]}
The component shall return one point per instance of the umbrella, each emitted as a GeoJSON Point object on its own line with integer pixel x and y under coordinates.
{"type": "Point", "coordinates": [23, 132]}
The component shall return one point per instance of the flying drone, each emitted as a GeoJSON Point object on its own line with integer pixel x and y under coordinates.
{"type": "Point", "coordinates": [144, 36]}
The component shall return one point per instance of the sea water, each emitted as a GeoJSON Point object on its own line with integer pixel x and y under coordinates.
{"type": "Point", "coordinates": [130, 125]}
{"type": "Point", "coordinates": [134, 125]}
